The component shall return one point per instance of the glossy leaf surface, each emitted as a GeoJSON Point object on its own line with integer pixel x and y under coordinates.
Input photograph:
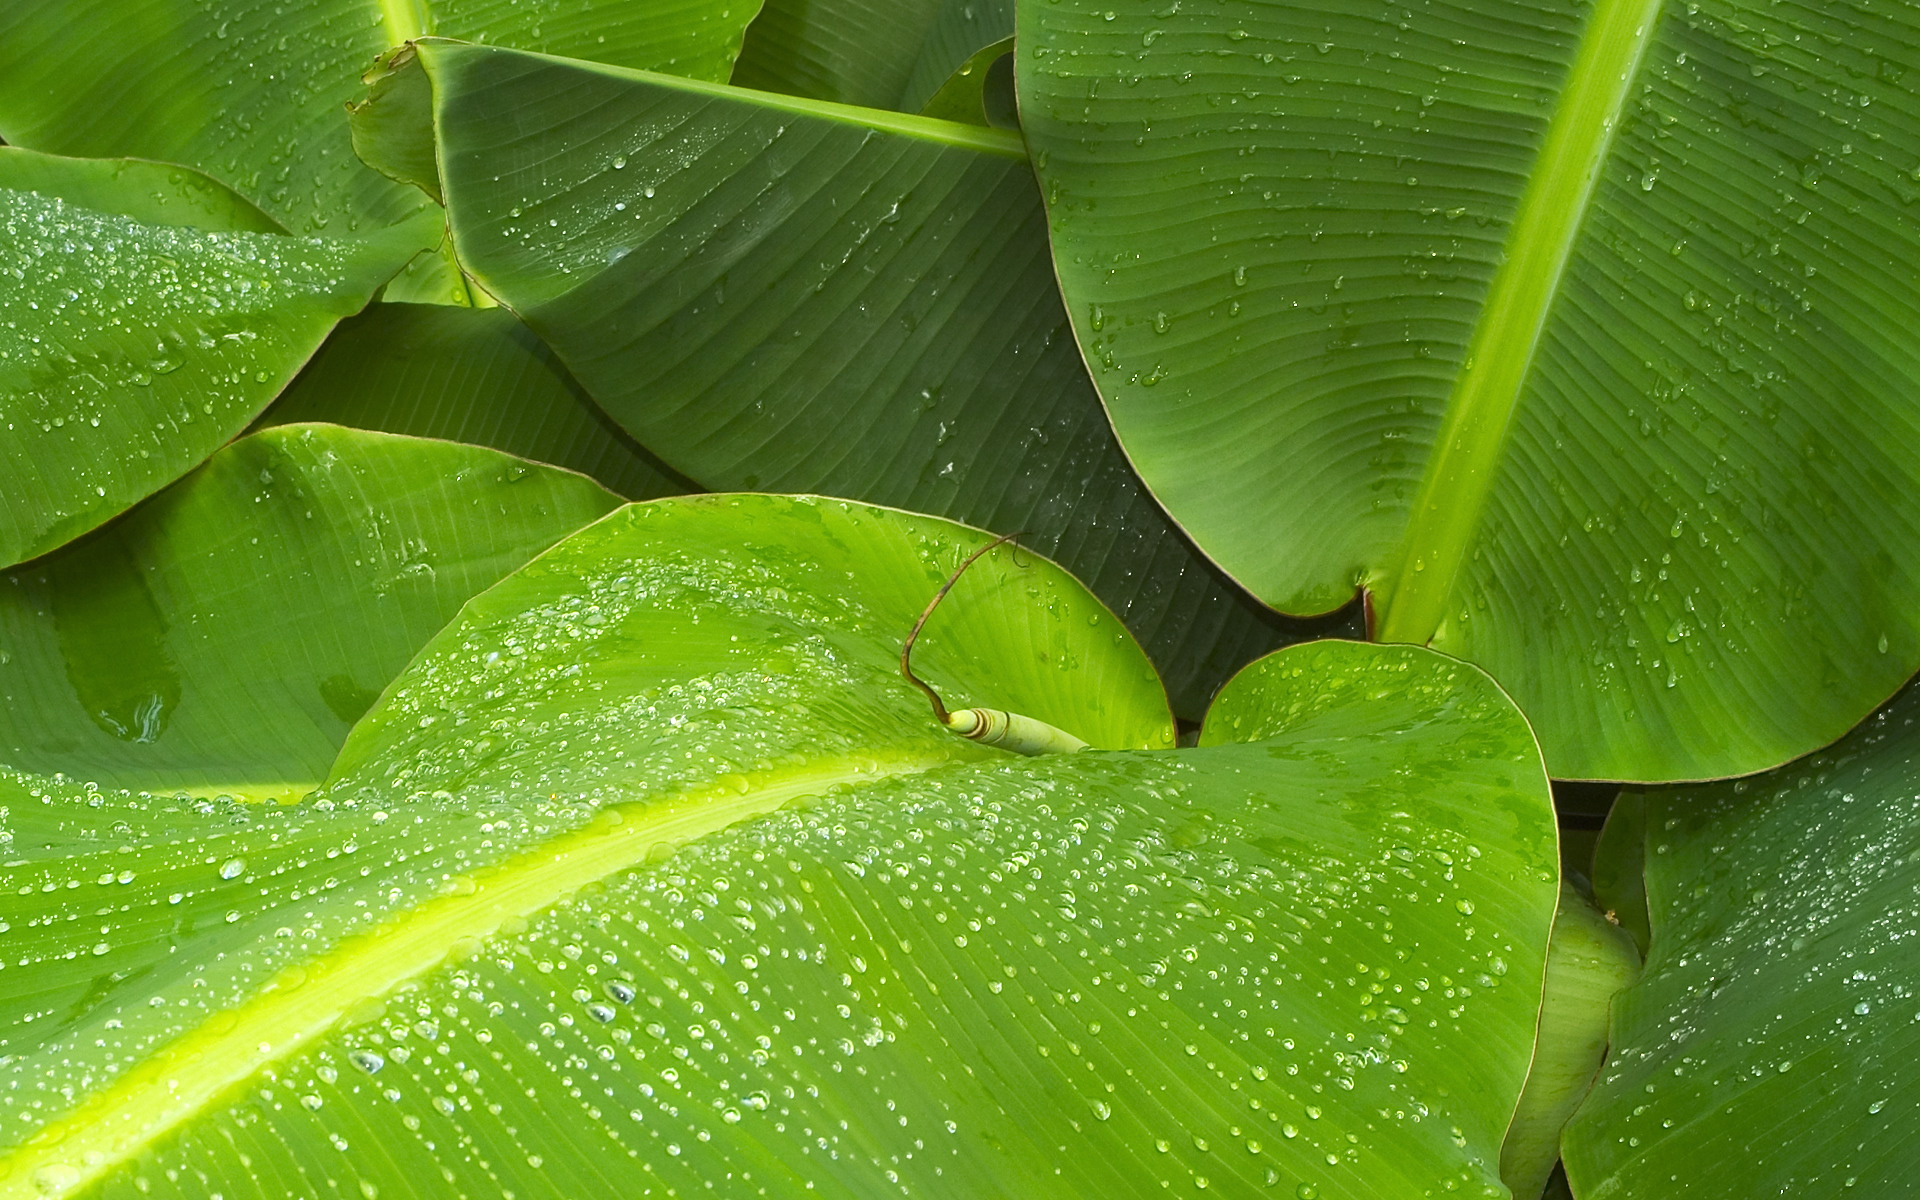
{"type": "Point", "coordinates": [223, 637]}
{"type": "Point", "coordinates": [130, 350]}
{"type": "Point", "coordinates": [467, 375]}
{"type": "Point", "coordinates": [1768, 1049]}
{"type": "Point", "coordinates": [152, 193]}
{"type": "Point", "coordinates": [651, 869]}
{"type": "Point", "coordinates": [1575, 333]}
{"type": "Point", "coordinates": [823, 299]}
{"type": "Point", "coordinates": [254, 94]}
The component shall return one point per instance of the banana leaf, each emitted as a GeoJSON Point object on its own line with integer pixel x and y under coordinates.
{"type": "Point", "coordinates": [145, 320]}
{"type": "Point", "coordinates": [788, 295]}
{"type": "Point", "coordinates": [651, 874]}
{"type": "Point", "coordinates": [253, 94]}
{"type": "Point", "coordinates": [1576, 335]}
{"type": "Point", "coordinates": [1767, 1051]}
{"type": "Point", "coordinates": [874, 53]}
{"type": "Point", "coordinates": [472, 375]}
{"type": "Point", "coordinates": [223, 637]}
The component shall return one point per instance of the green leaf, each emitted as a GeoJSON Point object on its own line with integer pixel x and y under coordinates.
{"type": "Point", "coordinates": [253, 94]}
{"type": "Point", "coordinates": [824, 299]}
{"type": "Point", "coordinates": [1577, 334]}
{"type": "Point", "coordinates": [467, 375]}
{"type": "Point", "coordinates": [874, 53]}
{"type": "Point", "coordinates": [223, 637]}
{"type": "Point", "coordinates": [1589, 961]}
{"type": "Point", "coordinates": [151, 193]}
{"type": "Point", "coordinates": [1768, 1049]}
{"type": "Point", "coordinates": [129, 351]}
{"type": "Point", "coordinates": [652, 869]}
{"type": "Point", "coordinates": [1619, 866]}
{"type": "Point", "coordinates": [980, 90]}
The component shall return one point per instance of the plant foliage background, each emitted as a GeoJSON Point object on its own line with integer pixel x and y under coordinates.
{"type": "Point", "coordinates": [470, 469]}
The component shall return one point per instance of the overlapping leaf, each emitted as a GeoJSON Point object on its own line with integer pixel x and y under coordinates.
{"type": "Point", "coordinates": [650, 873]}
{"type": "Point", "coordinates": [253, 94]}
{"type": "Point", "coordinates": [467, 375]}
{"type": "Point", "coordinates": [1576, 333]}
{"type": "Point", "coordinates": [1767, 1051]}
{"type": "Point", "coordinates": [223, 637]}
{"type": "Point", "coordinates": [144, 321]}
{"type": "Point", "coordinates": [788, 295]}
{"type": "Point", "coordinates": [874, 53]}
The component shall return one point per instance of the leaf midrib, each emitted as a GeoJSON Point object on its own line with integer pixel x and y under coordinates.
{"type": "Point", "coordinates": [305, 1002]}
{"type": "Point", "coordinates": [1460, 473]}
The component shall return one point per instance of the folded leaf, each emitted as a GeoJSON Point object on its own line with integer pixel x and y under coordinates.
{"type": "Point", "coordinates": [1576, 334]}
{"type": "Point", "coordinates": [224, 636]}
{"type": "Point", "coordinates": [131, 350]}
{"type": "Point", "coordinates": [1768, 1049]}
{"type": "Point", "coordinates": [821, 299]}
{"type": "Point", "coordinates": [652, 869]}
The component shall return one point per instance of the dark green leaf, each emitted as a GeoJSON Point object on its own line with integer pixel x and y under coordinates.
{"type": "Point", "coordinates": [875, 53]}
{"type": "Point", "coordinates": [467, 375]}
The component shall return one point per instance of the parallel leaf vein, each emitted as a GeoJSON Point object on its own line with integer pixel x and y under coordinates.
{"type": "Point", "coordinates": [1461, 472]}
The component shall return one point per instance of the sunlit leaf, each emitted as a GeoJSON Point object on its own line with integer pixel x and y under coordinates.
{"type": "Point", "coordinates": [651, 873]}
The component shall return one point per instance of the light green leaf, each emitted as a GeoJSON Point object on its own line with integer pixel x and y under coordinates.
{"type": "Point", "coordinates": [1768, 1049]}
{"type": "Point", "coordinates": [1577, 334]}
{"type": "Point", "coordinates": [467, 375]}
{"type": "Point", "coordinates": [223, 637]}
{"type": "Point", "coordinates": [129, 351]}
{"type": "Point", "coordinates": [152, 193]}
{"type": "Point", "coordinates": [1589, 961]}
{"type": "Point", "coordinates": [255, 94]}
{"type": "Point", "coordinates": [875, 53]}
{"type": "Point", "coordinates": [651, 873]}
{"type": "Point", "coordinates": [823, 299]}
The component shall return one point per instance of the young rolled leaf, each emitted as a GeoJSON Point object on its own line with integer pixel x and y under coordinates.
{"type": "Point", "coordinates": [252, 94]}
{"type": "Point", "coordinates": [467, 375]}
{"type": "Point", "coordinates": [652, 868]}
{"type": "Point", "coordinates": [1768, 1049]}
{"type": "Point", "coordinates": [223, 637]}
{"type": "Point", "coordinates": [138, 336]}
{"type": "Point", "coordinates": [824, 299]}
{"type": "Point", "coordinates": [1589, 961]}
{"type": "Point", "coordinates": [1576, 334]}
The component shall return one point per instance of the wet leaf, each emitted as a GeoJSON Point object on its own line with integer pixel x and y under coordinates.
{"type": "Point", "coordinates": [651, 867]}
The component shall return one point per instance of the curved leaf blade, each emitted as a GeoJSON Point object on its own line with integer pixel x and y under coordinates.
{"type": "Point", "coordinates": [824, 299]}
{"type": "Point", "coordinates": [467, 375]}
{"type": "Point", "coordinates": [1766, 1049]}
{"type": "Point", "coordinates": [253, 95]}
{"type": "Point", "coordinates": [223, 637]}
{"type": "Point", "coordinates": [130, 351]}
{"type": "Point", "coordinates": [956, 935]}
{"type": "Point", "coordinates": [1574, 333]}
